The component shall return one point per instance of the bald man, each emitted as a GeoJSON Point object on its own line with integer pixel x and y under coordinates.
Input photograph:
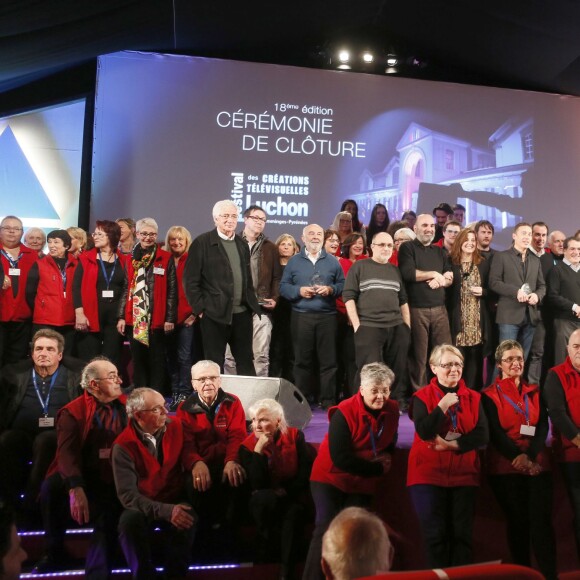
{"type": "Point", "coordinates": [311, 282]}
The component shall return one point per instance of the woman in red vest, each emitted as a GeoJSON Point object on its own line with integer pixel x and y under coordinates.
{"type": "Point", "coordinates": [277, 462]}
{"type": "Point", "coordinates": [444, 468]}
{"type": "Point", "coordinates": [517, 460]}
{"type": "Point", "coordinates": [49, 289]}
{"type": "Point", "coordinates": [100, 282]}
{"type": "Point", "coordinates": [354, 455]}
{"type": "Point", "coordinates": [149, 307]}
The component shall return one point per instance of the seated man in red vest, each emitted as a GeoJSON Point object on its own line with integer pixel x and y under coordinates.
{"type": "Point", "coordinates": [214, 423]}
{"type": "Point", "coordinates": [80, 480]}
{"type": "Point", "coordinates": [149, 476]}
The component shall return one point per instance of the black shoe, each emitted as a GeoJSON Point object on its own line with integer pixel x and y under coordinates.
{"type": "Point", "coordinates": [49, 563]}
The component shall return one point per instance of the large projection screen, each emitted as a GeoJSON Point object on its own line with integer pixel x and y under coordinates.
{"type": "Point", "coordinates": [174, 134]}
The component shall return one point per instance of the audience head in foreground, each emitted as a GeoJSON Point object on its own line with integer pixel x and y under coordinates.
{"type": "Point", "coordinates": [356, 544]}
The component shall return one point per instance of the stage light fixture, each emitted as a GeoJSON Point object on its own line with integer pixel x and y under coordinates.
{"type": "Point", "coordinates": [343, 56]}
{"type": "Point", "coordinates": [368, 57]}
{"type": "Point", "coordinates": [392, 60]}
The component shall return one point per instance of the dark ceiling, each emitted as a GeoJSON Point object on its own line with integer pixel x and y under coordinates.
{"type": "Point", "coordinates": [48, 49]}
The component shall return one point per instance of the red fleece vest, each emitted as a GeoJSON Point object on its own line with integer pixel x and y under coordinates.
{"type": "Point", "coordinates": [89, 297]}
{"type": "Point", "coordinates": [360, 423]}
{"type": "Point", "coordinates": [446, 468]}
{"type": "Point", "coordinates": [15, 308]}
{"type": "Point", "coordinates": [184, 310]}
{"type": "Point", "coordinates": [161, 261]}
{"type": "Point", "coordinates": [511, 421]}
{"type": "Point", "coordinates": [282, 456]}
{"type": "Point", "coordinates": [51, 305]}
{"type": "Point", "coordinates": [162, 483]}
{"type": "Point", "coordinates": [564, 449]}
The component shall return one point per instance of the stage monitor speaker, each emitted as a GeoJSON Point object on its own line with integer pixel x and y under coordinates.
{"type": "Point", "coordinates": [252, 389]}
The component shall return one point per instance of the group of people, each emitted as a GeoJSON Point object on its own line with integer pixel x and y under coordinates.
{"type": "Point", "coordinates": [339, 326]}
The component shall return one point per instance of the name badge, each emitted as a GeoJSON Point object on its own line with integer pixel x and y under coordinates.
{"type": "Point", "coordinates": [452, 436]}
{"type": "Point", "coordinates": [64, 294]}
{"type": "Point", "coordinates": [529, 430]}
{"type": "Point", "coordinates": [14, 272]}
{"type": "Point", "coordinates": [159, 271]}
{"type": "Point", "coordinates": [108, 293]}
{"type": "Point", "coordinates": [46, 421]}
{"type": "Point", "coordinates": [105, 453]}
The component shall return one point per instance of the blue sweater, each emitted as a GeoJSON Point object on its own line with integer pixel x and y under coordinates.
{"type": "Point", "coordinates": [299, 272]}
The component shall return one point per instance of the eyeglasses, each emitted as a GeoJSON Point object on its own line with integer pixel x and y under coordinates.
{"type": "Point", "coordinates": [98, 234]}
{"type": "Point", "coordinates": [451, 365]}
{"type": "Point", "coordinates": [148, 234]}
{"type": "Point", "coordinates": [385, 245]}
{"type": "Point", "coordinates": [156, 410]}
{"type": "Point", "coordinates": [333, 240]}
{"type": "Point", "coordinates": [512, 359]}
{"type": "Point", "coordinates": [229, 216]}
{"type": "Point", "coordinates": [8, 229]}
{"type": "Point", "coordinates": [111, 377]}
{"type": "Point", "coordinates": [258, 219]}
{"type": "Point", "coordinates": [206, 379]}
{"type": "Point", "coordinates": [386, 392]}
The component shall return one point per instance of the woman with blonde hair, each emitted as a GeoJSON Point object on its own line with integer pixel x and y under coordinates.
{"type": "Point", "coordinates": [342, 224]}
{"type": "Point", "coordinates": [78, 238]}
{"type": "Point", "coordinates": [180, 343]}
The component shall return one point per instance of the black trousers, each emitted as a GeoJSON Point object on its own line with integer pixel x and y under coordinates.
{"type": "Point", "coordinates": [329, 501]}
{"type": "Point", "coordinates": [527, 504]}
{"type": "Point", "coordinates": [314, 336]}
{"type": "Point", "coordinates": [472, 366]}
{"type": "Point", "coordinates": [14, 341]}
{"type": "Point", "coordinates": [571, 473]}
{"type": "Point", "coordinates": [446, 518]}
{"type": "Point", "coordinates": [135, 531]}
{"type": "Point", "coordinates": [149, 361]}
{"type": "Point", "coordinates": [277, 520]}
{"type": "Point", "coordinates": [17, 449]}
{"type": "Point", "coordinates": [238, 335]}
{"type": "Point", "coordinates": [345, 356]}
{"type": "Point", "coordinates": [389, 345]}
{"type": "Point", "coordinates": [107, 342]}
{"type": "Point", "coordinates": [104, 511]}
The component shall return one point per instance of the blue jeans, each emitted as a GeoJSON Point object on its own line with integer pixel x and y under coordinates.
{"type": "Point", "coordinates": [523, 333]}
{"type": "Point", "coordinates": [180, 359]}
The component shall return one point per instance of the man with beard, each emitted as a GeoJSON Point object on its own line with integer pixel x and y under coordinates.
{"type": "Point", "coordinates": [376, 303]}
{"type": "Point", "coordinates": [426, 272]}
{"type": "Point", "coordinates": [312, 281]}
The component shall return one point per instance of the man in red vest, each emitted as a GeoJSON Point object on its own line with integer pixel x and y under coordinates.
{"type": "Point", "coordinates": [149, 476]}
{"type": "Point", "coordinates": [560, 394]}
{"type": "Point", "coordinates": [80, 480]}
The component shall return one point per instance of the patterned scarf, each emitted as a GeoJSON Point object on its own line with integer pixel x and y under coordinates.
{"type": "Point", "coordinates": [140, 296]}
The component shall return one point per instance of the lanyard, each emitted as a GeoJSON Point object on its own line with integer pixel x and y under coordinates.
{"type": "Point", "coordinates": [107, 278]}
{"type": "Point", "coordinates": [452, 412]}
{"type": "Point", "coordinates": [13, 262]}
{"type": "Point", "coordinates": [372, 436]}
{"type": "Point", "coordinates": [44, 403]}
{"type": "Point", "coordinates": [517, 408]}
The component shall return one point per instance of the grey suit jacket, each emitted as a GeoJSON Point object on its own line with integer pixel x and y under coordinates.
{"type": "Point", "coordinates": [506, 277]}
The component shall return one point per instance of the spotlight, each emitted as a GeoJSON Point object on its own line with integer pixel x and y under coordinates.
{"type": "Point", "coordinates": [392, 60]}
{"type": "Point", "coordinates": [367, 57]}
{"type": "Point", "coordinates": [344, 56]}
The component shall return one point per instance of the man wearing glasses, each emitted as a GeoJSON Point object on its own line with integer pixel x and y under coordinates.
{"type": "Point", "coordinates": [376, 303]}
{"type": "Point", "coordinates": [149, 477]}
{"type": "Point", "coordinates": [80, 480]}
{"type": "Point", "coordinates": [15, 314]}
{"type": "Point", "coordinates": [266, 274]}
{"type": "Point", "coordinates": [31, 393]}
{"type": "Point", "coordinates": [214, 423]}
{"type": "Point", "coordinates": [218, 285]}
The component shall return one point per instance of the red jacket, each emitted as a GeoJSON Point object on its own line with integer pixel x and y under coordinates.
{"type": "Point", "coordinates": [15, 308]}
{"type": "Point", "coordinates": [51, 305]}
{"type": "Point", "coordinates": [89, 297]}
{"type": "Point", "coordinates": [162, 483]}
{"type": "Point", "coordinates": [158, 316]}
{"type": "Point", "coordinates": [217, 442]}
{"type": "Point", "coordinates": [564, 449]}
{"type": "Point", "coordinates": [511, 421]}
{"type": "Point", "coordinates": [346, 265]}
{"type": "Point", "coordinates": [282, 456]}
{"type": "Point", "coordinates": [360, 422]}
{"type": "Point", "coordinates": [82, 409]}
{"type": "Point", "coordinates": [446, 468]}
{"type": "Point", "coordinates": [184, 310]}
